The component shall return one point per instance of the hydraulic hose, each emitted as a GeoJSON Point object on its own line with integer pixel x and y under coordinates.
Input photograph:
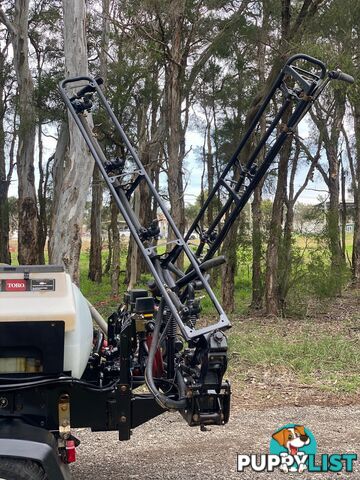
{"type": "Point", "coordinates": [98, 319]}
{"type": "Point", "coordinates": [24, 385]}
{"type": "Point", "coordinates": [161, 399]}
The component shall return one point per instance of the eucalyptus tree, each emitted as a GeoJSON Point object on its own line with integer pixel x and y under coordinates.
{"type": "Point", "coordinates": [329, 119]}
{"type": "Point", "coordinates": [337, 26]}
{"type": "Point", "coordinates": [44, 35]}
{"type": "Point", "coordinates": [233, 100]}
{"type": "Point", "coordinates": [16, 20]}
{"type": "Point", "coordinates": [6, 168]}
{"type": "Point", "coordinates": [95, 257]}
{"type": "Point", "coordinates": [77, 164]}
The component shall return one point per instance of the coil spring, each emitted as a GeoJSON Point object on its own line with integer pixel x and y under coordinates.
{"type": "Point", "coordinates": [170, 321]}
{"type": "Point", "coordinates": [172, 327]}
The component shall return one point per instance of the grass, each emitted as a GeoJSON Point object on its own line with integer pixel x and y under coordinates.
{"type": "Point", "coordinates": [312, 353]}
{"type": "Point", "coordinates": [99, 294]}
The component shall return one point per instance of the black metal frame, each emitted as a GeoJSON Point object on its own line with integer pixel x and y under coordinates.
{"type": "Point", "coordinates": [115, 408]}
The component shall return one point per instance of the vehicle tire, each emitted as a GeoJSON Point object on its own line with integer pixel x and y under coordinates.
{"type": "Point", "coordinates": [20, 469]}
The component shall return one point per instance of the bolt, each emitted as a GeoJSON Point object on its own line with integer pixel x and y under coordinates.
{"type": "Point", "coordinates": [64, 407]}
{"type": "Point", "coordinates": [123, 419]}
{"type": "Point", "coordinates": [123, 388]}
{"type": "Point", "coordinates": [218, 336]}
{"type": "Point", "coordinates": [65, 423]}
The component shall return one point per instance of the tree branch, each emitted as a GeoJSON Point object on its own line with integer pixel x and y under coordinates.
{"type": "Point", "coordinates": [4, 19]}
{"type": "Point", "coordinates": [210, 49]}
{"type": "Point", "coordinates": [308, 10]}
{"type": "Point", "coordinates": [351, 161]}
{"type": "Point", "coordinates": [310, 173]}
{"type": "Point", "coordinates": [313, 160]}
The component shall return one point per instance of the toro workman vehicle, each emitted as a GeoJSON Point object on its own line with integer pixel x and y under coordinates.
{"type": "Point", "coordinates": [58, 372]}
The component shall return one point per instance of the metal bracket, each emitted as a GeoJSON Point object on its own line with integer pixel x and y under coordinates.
{"type": "Point", "coordinates": [64, 416]}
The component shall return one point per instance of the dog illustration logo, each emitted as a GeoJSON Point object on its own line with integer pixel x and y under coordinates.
{"type": "Point", "coordinates": [293, 449]}
{"type": "Point", "coordinates": [292, 443]}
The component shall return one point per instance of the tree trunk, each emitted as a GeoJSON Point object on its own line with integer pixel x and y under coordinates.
{"type": "Point", "coordinates": [272, 291]}
{"type": "Point", "coordinates": [356, 240]}
{"type": "Point", "coordinates": [174, 84]}
{"type": "Point", "coordinates": [95, 261]}
{"type": "Point", "coordinates": [5, 256]}
{"type": "Point", "coordinates": [257, 284]}
{"type": "Point", "coordinates": [257, 281]}
{"type": "Point", "coordinates": [42, 229]}
{"type": "Point", "coordinates": [230, 248]}
{"type": "Point", "coordinates": [115, 250]}
{"type": "Point", "coordinates": [109, 257]}
{"type": "Point", "coordinates": [286, 255]}
{"type": "Point", "coordinates": [133, 264]}
{"type": "Point", "coordinates": [28, 213]}
{"type": "Point", "coordinates": [141, 199]}
{"type": "Point", "coordinates": [343, 210]}
{"type": "Point", "coordinates": [210, 172]}
{"type": "Point", "coordinates": [333, 211]}
{"type": "Point", "coordinates": [68, 217]}
{"type": "Point", "coordinates": [331, 142]}
{"type": "Point", "coordinates": [60, 165]}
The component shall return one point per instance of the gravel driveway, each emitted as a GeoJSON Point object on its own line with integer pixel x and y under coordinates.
{"type": "Point", "coordinates": [166, 448]}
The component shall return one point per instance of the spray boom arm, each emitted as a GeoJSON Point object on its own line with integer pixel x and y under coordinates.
{"type": "Point", "coordinates": [149, 331]}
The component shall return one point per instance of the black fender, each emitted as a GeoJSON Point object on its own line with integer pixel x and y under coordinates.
{"type": "Point", "coordinates": [20, 440]}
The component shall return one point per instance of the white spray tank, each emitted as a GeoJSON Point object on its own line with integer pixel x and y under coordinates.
{"type": "Point", "coordinates": [46, 293]}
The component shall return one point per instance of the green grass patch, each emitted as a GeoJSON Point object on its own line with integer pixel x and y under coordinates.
{"type": "Point", "coordinates": [330, 361]}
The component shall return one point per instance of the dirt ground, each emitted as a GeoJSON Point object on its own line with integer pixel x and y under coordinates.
{"type": "Point", "coordinates": [166, 448]}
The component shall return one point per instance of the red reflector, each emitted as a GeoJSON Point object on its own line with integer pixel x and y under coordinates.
{"type": "Point", "coordinates": [70, 451]}
{"type": "Point", "coordinates": [15, 285]}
